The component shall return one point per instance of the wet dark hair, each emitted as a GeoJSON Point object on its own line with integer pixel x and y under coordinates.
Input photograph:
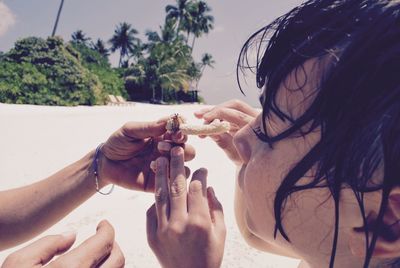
{"type": "Point", "coordinates": [356, 105]}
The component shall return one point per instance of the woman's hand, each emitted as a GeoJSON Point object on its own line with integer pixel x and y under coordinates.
{"type": "Point", "coordinates": [127, 154]}
{"type": "Point", "coordinates": [100, 249]}
{"type": "Point", "coordinates": [185, 228]}
{"type": "Point", "coordinates": [238, 114]}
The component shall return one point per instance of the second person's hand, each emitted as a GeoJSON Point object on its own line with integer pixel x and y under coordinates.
{"type": "Point", "coordinates": [128, 152]}
{"type": "Point", "coordinates": [238, 114]}
{"type": "Point", "coordinates": [98, 250]}
{"type": "Point", "coordinates": [185, 228]}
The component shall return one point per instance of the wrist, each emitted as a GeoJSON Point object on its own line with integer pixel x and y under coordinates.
{"type": "Point", "coordinates": [98, 169]}
{"type": "Point", "coordinates": [103, 170]}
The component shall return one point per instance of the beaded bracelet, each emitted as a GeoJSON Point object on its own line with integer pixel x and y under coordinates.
{"type": "Point", "coordinates": [96, 173]}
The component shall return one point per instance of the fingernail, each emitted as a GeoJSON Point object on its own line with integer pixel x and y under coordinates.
{"type": "Point", "coordinates": [69, 234]}
{"type": "Point", "coordinates": [203, 171]}
{"type": "Point", "coordinates": [164, 146]}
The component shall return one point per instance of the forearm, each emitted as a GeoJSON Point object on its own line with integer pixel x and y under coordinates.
{"type": "Point", "coordinates": [28, 211]}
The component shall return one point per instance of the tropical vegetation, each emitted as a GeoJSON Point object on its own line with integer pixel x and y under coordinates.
{"type": "Point", "coordinates": [160, 69]}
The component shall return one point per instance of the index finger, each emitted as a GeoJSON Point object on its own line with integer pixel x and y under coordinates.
{"type": "Point", "coordinates": [93, 250]}
{"type": "Point", "coordinates": [41, 251]}
{"type": "Point", "coordinates": [142, 130]}
{"type": "Point", "coordinates": [231, 115]}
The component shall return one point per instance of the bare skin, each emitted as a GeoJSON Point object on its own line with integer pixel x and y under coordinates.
{"type": "Point", "coordinates": [100, 249]}
{"type": "Point", "coordinates": [124, 161]}
{"type": "Point", "coordinates": [185, 228]}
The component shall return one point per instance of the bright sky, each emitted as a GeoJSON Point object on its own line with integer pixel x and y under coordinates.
{"type": "Point", "coordinates": [235, 21]}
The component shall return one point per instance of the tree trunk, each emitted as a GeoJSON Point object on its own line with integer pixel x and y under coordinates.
{"type": "Point", "coordinates": [120, 59]}
{"type": "Point", "coordinates": [177, 28]}
{"type": "Point", "coordinates": [201, 74]}
{"type": "Point", "coordinates": [194, 38]}
{"type": "Point", "coordinates": [57, 18]}
{"type": "Point", "coordinates": [187, 37]}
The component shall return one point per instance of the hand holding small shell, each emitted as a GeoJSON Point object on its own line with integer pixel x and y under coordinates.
{"type": "Point", "coordinates": [178, 123]}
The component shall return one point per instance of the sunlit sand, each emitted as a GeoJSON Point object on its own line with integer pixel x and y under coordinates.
{"type": "Point", "coordinates": [36, 141]}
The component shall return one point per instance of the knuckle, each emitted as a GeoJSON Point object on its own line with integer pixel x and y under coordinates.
{"type": "Point", "coordinates": [161, 196]}
{"type": "Point", "coordinates": [199, 224]}
{"type": "Point", "coordinates": [195, 187]}
{"type": "Point", "coordinates": [178, 187]}
{"type": "Point", "coordinates": [235, 103]}
{"type": "Point", "coordinates": [175, 230]}
{"type": "Point", "coordinates": [242, 116]}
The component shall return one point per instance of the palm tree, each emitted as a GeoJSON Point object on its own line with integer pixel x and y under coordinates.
{"type": "Point", "coordinates": [79, 37]}
{"type": "Point", "coordinates": [100, 47]}
{"type": "Point", "coordinates": [123, 40]}
{"type": "Point", "coordinates": [202, 21]}
{"type": "Point", "coordinates": [180, 15]}
{"type": "Point", "coordinates": [206, 60]}
{"type": "Point", "coordinates": [57, 18]}
{"type": "Point", "coordinates": [166, 66]}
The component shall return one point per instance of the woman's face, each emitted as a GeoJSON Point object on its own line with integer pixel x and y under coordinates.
{"type": "Point", "coordinates": [308, 216]}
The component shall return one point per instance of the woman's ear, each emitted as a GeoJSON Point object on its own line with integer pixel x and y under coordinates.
{"type": "Point", "coordinates": [388, 242]}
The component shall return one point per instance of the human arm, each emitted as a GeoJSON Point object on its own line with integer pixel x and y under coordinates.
{"type": "Point", "coordinates": [185, 228]}
{"type": "Point", "coordinates": [124, 159]}
{"type": "Point", "coordinates": [98, 249]}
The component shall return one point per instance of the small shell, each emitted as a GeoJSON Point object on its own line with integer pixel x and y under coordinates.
{"type": "Point", "coordinates": [174, 123]}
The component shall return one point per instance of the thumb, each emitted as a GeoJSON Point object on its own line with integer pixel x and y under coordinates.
{"type": "Point", "coordinates": [43, 250]}
{"type": "Point", "coordinates": [142, 130]}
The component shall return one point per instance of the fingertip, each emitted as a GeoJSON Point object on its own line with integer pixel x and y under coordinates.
{"type": "Point", "coordinates": [200, 172]}
{"type": "Point", "coordinates": [69, 236]}
{"type": "Point", "coordinates": [105, 225]}
{"type": "Point", "coordinates": [177, 150]}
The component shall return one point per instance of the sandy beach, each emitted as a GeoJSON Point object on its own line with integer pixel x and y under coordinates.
{"type": "Point", "coordinates": [36, 141]}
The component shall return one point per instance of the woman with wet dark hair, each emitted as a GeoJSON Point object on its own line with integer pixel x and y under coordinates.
{"type": "Point", "coordinates": [319, 169]}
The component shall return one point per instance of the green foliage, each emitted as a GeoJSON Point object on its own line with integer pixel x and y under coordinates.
{"type": "Point", "coordinates": [97, 64]}
{"type": "Point", "coordinates": [38, 71]}
{"type": "Point", "coordinates": [124, 40]}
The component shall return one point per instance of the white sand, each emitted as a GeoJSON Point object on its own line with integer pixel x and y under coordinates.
{"type": "Point", "coordinates": [36, 141]}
